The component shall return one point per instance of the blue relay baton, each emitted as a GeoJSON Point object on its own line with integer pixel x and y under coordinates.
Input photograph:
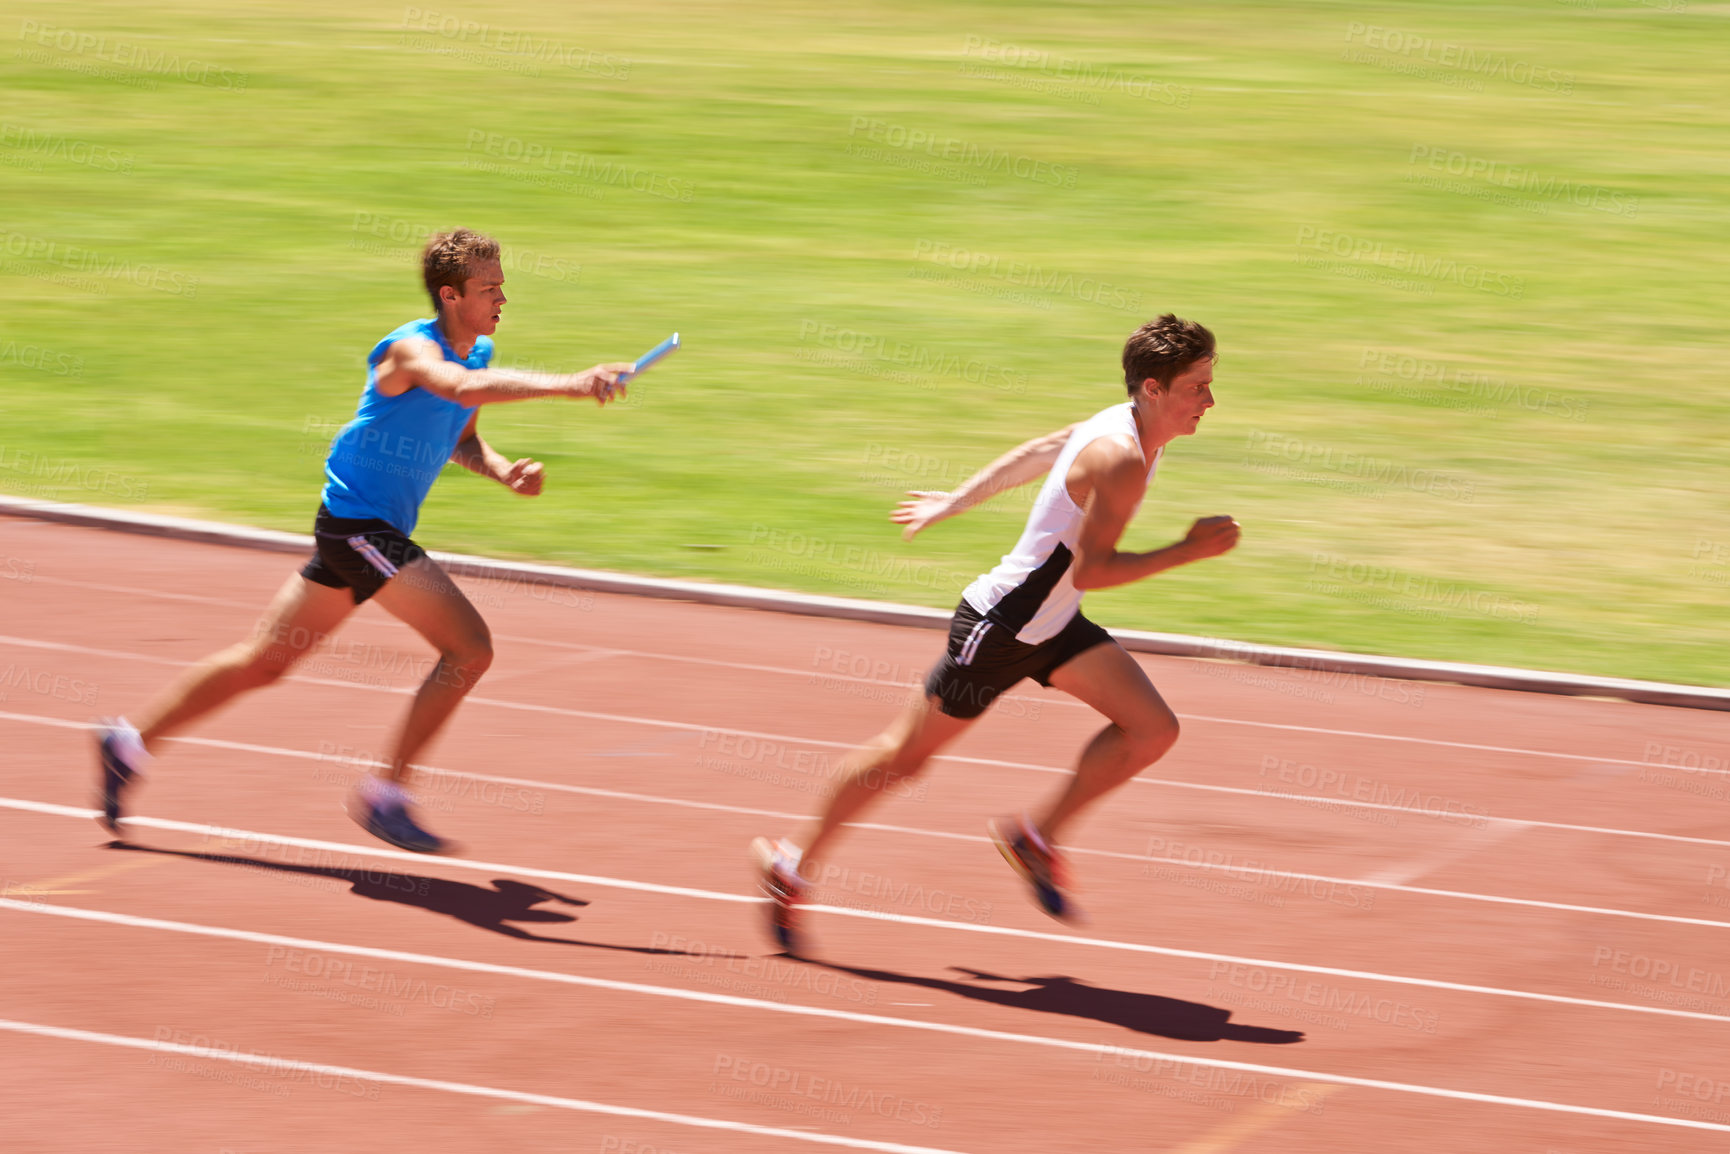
{"type": "Point", "coordinates": [670, 345]}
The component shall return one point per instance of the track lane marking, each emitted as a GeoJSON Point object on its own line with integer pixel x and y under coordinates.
{"type": "Point", "coordinates": [1385, 879]}
{"type": "Point", "coordinates": [364, 851]}
{"type": "Point", "coordinates": [273, 1063]}
{"type": "Point", "coordinates": [732, 1000]}
{"type": "Point", "coordinates": [1266, 1114]}
{"type": "Point", "coordinates": [1248, 871]}
{"type": "Point", "coordinates": [52, 885]}
{"type": "Point", "coordinates": [1168, 783]}
{"type": "Point", "coordinates": [28, 642]}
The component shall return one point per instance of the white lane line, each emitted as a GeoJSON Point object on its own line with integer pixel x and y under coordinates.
{"type": "Point", "coordinates": [1252, 871]}
{"type": "Point", "coordinates": [275, 1064]}
{"type": "Point", "coordinates": [225, 832]}
{"type": "Point", "coordinates": [1434, 858]}
{"type": "Point", "coordinates": [1183, 716]}
{"type": "Point", "coordinates": [1170, 783]}
{"type": "Point", "coordinates": [833, 1014]}
{"type": "Point", "coordinates": [364, 851]}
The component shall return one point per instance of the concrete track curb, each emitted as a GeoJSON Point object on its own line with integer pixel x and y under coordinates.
{"type": "Point", "coordinates": [1329, 667]}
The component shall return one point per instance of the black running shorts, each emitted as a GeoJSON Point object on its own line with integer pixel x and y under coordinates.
{"type": "Point", "coordinates": [984, 659]}
{"type": "Point", "coordinates": [357, 553]}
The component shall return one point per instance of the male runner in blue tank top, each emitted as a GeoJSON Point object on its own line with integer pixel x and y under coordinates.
{"type": "Point", "coordinates": [1023, 618]}
{"type": "Point", "coordinates": [425, 383]}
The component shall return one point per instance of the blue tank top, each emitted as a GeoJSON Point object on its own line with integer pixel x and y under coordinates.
{"type": "Point", "coordinates": [383, 462]}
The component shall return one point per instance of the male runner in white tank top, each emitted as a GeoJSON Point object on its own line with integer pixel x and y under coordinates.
{"type": "Point", "coordinates": [1023, 618]}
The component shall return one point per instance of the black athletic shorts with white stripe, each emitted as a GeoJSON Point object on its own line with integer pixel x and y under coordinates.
{"type": "Point", "coordinates": [357, 553]}
{"type": "Point", "coordinates": [984, 659]}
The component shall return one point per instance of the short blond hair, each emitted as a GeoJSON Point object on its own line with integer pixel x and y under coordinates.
{"type": "Point", "coordinates": [450, 258]}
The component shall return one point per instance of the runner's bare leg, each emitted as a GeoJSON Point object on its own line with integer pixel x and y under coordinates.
{"type": "Point", "coordinates": [301, 616]}
{"type": "Point", "coordinates": [423, 597]}
{"type": "Point", "coordinates": [1143, 728]}
{"type": "Point", "coordinates": [898, 753]}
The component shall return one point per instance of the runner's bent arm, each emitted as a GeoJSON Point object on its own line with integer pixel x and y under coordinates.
{"type": "Point", "coordinates": [415, 362]}
{"type": "Point", "coordinates": [1116, 474]}
{"type": "Point", "coordinates": [1026, 462]}
{"type": "Point", "coordinates": [520, 476]}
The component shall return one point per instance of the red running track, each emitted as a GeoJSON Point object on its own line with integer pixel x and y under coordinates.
{"type": "Point", "coordinates": [1343, 915]}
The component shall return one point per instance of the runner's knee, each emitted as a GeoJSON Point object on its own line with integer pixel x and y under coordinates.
{"type": "Point", "coordinates": [1152, 737]}
{"type": "Point", "coordinates": [473, 655]}
{"type": "Point", "coordinates": [264, 666]}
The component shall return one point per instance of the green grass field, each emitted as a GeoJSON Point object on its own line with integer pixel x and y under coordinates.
{"type": "Point", "coordinates": [1466, 261]}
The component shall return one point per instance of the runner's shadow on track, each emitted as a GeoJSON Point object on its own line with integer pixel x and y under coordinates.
{"type": "Point", "coordinates": [1143, 1013]}
{"type": "Point", "coordinates": [485, 909]}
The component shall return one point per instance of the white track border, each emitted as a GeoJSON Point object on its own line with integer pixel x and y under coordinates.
{"type": "Point", "coordinates": [887, 613]}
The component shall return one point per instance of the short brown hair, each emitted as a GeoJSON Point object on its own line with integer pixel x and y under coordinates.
{"type": "Point", "coordinates": [1164, 348]}
{"type": "Point", "coordinates": [450, 258]}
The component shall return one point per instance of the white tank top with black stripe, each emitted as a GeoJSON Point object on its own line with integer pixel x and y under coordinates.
{"type": "Point", "coordinates": [1032, 592]}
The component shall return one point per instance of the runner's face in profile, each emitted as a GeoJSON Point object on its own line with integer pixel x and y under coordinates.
{"type": "Point", "coordinates": [482, 298]}
{"type": "Point", "coordinates": [1180, 405]}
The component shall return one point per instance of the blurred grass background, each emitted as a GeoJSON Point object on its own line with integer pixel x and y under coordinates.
{"type": "Point", "coordinates": [1471, 415]}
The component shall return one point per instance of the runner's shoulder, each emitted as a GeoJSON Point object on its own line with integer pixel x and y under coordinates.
{"type": "Point", "coordinates": [1111, 454]}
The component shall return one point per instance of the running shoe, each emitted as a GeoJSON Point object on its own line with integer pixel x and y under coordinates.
{"type": "Point", "coordinates": [389, 820]}
{"type": "Point", "coordinates": [114, 774]}
{"type": "Point", "coordinates": [1039, 865]}
{"type": "Point", "coordinates": [778, 863]}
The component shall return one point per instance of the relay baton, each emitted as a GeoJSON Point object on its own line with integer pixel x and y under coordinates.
{"type": "Point", "coordinates": [670, 345]}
